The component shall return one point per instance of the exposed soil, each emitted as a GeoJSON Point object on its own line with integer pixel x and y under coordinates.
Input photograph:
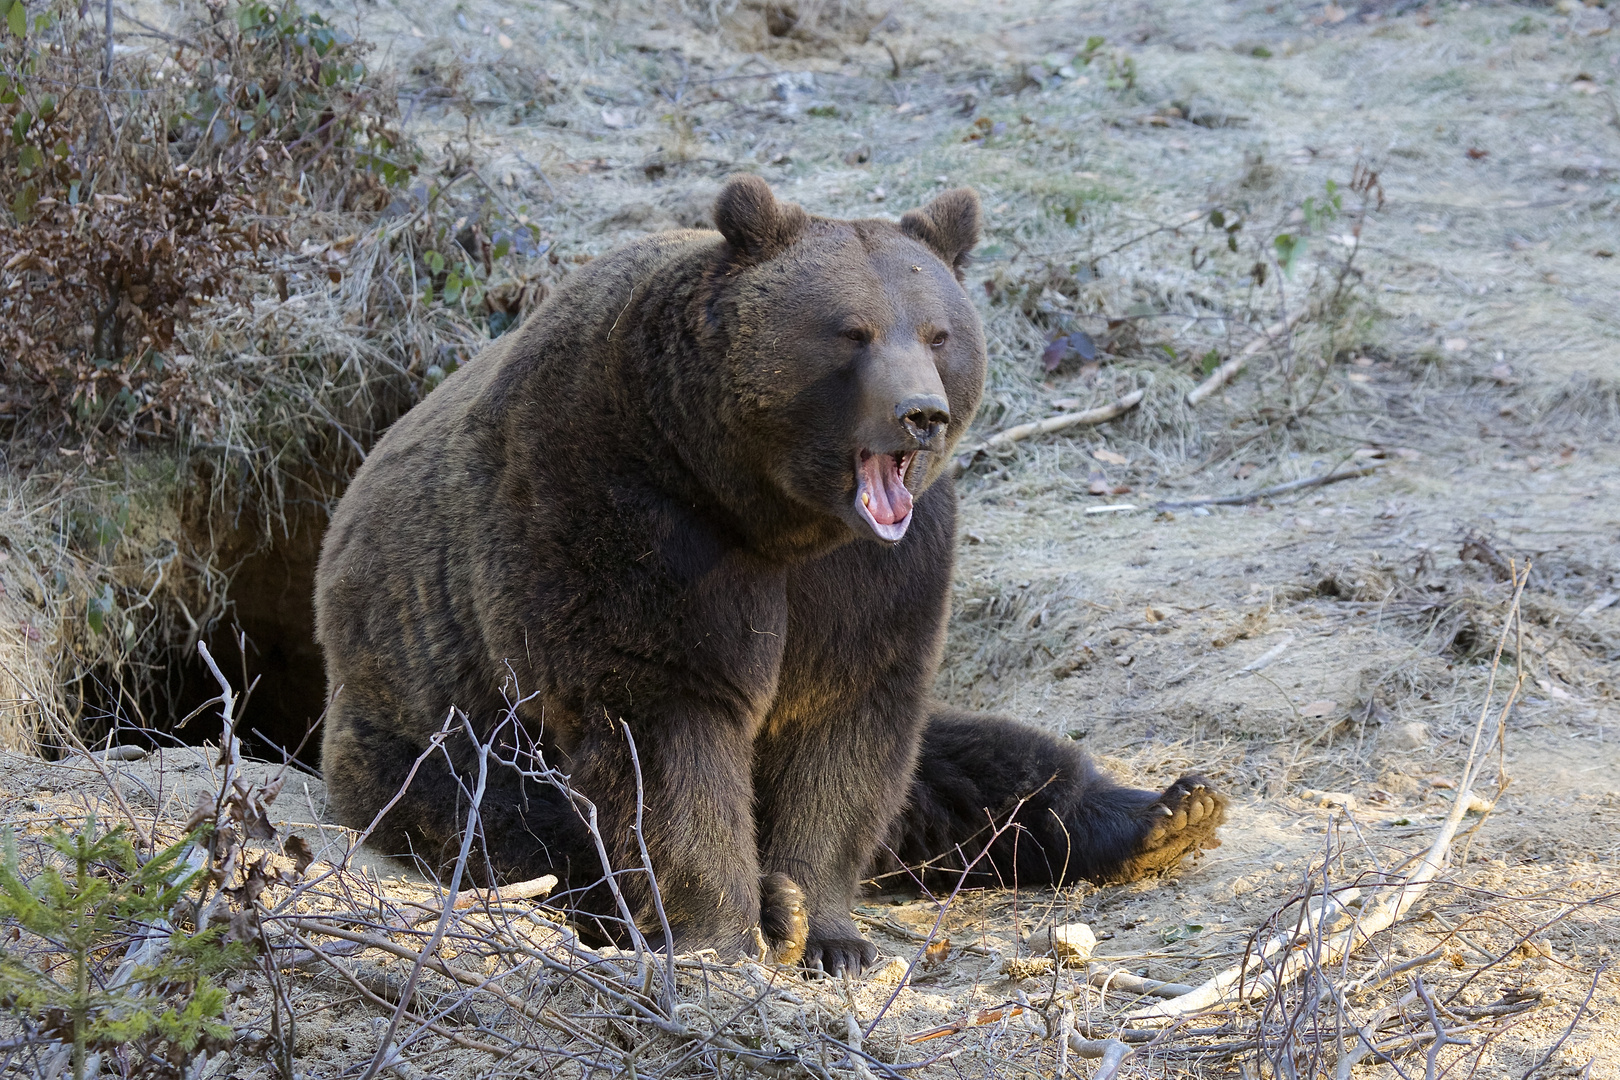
{"type": "Point", "coordinates": [1477, 361]}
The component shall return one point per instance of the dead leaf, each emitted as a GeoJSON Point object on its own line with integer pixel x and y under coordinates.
{"type": "Point", "coordinates": [1476, 154]}
{"type": "Point", "coordinates": [1110, 457]}
{"type": "Point", "coordinates": [1318, 709]}
{"type": "Point", "coordinates": [1098, 483]}
{"type": "Point", "coordinates": [615, 119]}
{"type": "Point", "coordinates": [205, 812]}
{"type": "Point", "coordinates": [297, 849]}
{"type": "Point", "coordinates": [1554, 691]}
{"type": "Point", "coordinates": [1456, 344]}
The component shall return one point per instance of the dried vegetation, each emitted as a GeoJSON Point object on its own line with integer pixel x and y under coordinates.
{"type": "Point", "coordinates": [1282, 206]}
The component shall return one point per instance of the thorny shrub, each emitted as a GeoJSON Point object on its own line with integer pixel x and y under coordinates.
{"type": "Point", "coordinates": [134, 193]}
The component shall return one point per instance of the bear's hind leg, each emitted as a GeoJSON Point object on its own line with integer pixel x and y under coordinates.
{"type": "Point", "coordinates": [1059, 818]}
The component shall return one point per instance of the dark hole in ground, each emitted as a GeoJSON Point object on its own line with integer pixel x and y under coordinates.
{"type": "Point", "coordinates": [272, 598]}
{"type": "Point", "coordinates": [267, 632]}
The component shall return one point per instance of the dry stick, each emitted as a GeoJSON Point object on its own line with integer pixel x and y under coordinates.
{"type": "Point", "coordinates": [1124, 981]}
{"type": "Point", "coordinates": [382, 1002]}
{"type": "Point", "coordinates": [1112, 1051]}
{"type": "Point", "coordinates": [1267, 493]}
{"type": "Point", "coordinates": [1377, 916]}
{"type": "Point", "coordinates": [539, 887]}
{"type": "Point", "coordinates": [1224, 374]}
{"type": "Point", "coordinates": [1586, 1003]}
{"type": "Point", "coordinates": [939, 919]}
{"type": "Point", "coordinates": [965, 460]}
{"type": "Point", "coordinates": [385, 1048]}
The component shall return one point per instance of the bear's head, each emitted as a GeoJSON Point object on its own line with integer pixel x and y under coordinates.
{"type": "Point", "coordinates": [856, 359]}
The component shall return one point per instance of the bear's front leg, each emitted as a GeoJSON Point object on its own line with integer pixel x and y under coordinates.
{"type": "Point", "coordinates": [695, 819]}
{"type": "Point", "coordinates": [825, 793]}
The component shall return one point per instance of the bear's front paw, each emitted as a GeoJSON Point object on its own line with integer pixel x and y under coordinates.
{"type": "Point", "coordinates": [784, 918]}
{"type": "Point", "coordinates": [838, 948]}
{"type": "Point", "coordinates": [1180, 821]}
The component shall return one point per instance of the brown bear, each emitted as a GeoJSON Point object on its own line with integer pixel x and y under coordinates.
{"type": "Point", "coordinates": [698, 506]}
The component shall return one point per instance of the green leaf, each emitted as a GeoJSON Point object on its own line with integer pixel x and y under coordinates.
{"type": "Point", "coordinates": [1289, 248]}
{"type": "Point", "coordinates": [435, 262]}
{"type": "Point", "coordinates": [503, 246]}
{"type": "Point", "coordinates": [22, 204]}
{"type": "Point", "coordinates": [99, 608]}
{"type": "Point", "coordinates": [1217, 219]}
{"type": "Point", "coordinates": [17, 19]}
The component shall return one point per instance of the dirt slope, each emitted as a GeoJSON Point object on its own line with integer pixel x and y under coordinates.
{"type": "Point", "coordinates": [1477, 361]}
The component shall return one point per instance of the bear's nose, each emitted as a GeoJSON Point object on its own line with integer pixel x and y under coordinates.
{"type": "Point", "coordinates": [924, 415]}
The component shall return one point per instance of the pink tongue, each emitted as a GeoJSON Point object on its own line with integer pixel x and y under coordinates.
{"type": "Point", "coordinates": [880, 479]}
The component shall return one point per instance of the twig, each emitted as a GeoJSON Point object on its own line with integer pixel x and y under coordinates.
{"type": "Point", "coordinates": [1135, 984]}
{"type": "Point", "coordinates": [382, 1002]}
{"type": "Point", "coordinates": [964, 461]}
{"type": "Point", "coordinates": [1112, 1051]}
{"type": "Point", "coordinates": [1586, 1003]}
{"type": "Point", "coordinates": [1267, 493]}
{"type": "Point", "coordinates": [385, 1048]}
{"type": "Point", "coordinates": [1382, 975]}
{"type": "Point", "coordinates": [1224, 374]}
{"type": "Point", "coordinates": [892, 926]}
{"type": "Point", "coordinates": [1376, 915]}
{"type": "Point", "coordinates": [1442, 1037]}
{"type": "Point", "coordinates": [522, 890]}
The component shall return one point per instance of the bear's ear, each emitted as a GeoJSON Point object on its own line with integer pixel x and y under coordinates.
{"type": "Point", "coordinates": [949, 225]}
{"type": "Point", "coordinates": [753, 222]}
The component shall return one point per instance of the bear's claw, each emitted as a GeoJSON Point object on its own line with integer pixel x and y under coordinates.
{"type": "Point", "coordinates": [784, 918]}
{"type": "Point", "coordinates": [1181, 821]}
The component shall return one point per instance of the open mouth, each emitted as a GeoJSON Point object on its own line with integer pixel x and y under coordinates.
{"type": "Point", "coordinates": [881, 495]}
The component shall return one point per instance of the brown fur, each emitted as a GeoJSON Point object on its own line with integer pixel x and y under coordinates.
{"type": "Point", "coordinates": [638, 513]}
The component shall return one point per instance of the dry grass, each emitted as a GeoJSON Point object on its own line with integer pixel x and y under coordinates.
{"type": "Point", "coordinates": [1476, 355]}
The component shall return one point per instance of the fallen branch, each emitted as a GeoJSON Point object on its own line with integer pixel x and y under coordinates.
{"type": "Point", "coordinates": [1270, 492]}
{"type": "Point", "coordinates": [1225, 373]}
{"type": "Point", "coordinates": [1112, 1051]}
{"type": "Point", "coordinates": [965, 460]}
{"type": "Point", "coordinates": [1124, 981]}
{"type": "Point", "coordinates": [1378, 913]}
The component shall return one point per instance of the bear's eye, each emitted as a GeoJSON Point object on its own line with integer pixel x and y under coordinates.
{"type": "Point", "coordinates": [859, 335]}
{"type": "Point", "coordinates": [939, 340]}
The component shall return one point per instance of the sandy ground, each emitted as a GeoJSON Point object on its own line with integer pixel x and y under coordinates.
{"type": "Point", "coordinates": [1478, 363]}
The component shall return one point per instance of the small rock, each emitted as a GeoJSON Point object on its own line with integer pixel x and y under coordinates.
{"type": "Point", "coordinates": [1412, 735]}
{"type": "Point", "coordinates": [1072, 942]}
{"type": "Point", "coordinates": [1028, 967]}
{"type": "Point", "coordinates": [892, 973]}
{"type": "Point", "coordinates": [1329, 798]}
